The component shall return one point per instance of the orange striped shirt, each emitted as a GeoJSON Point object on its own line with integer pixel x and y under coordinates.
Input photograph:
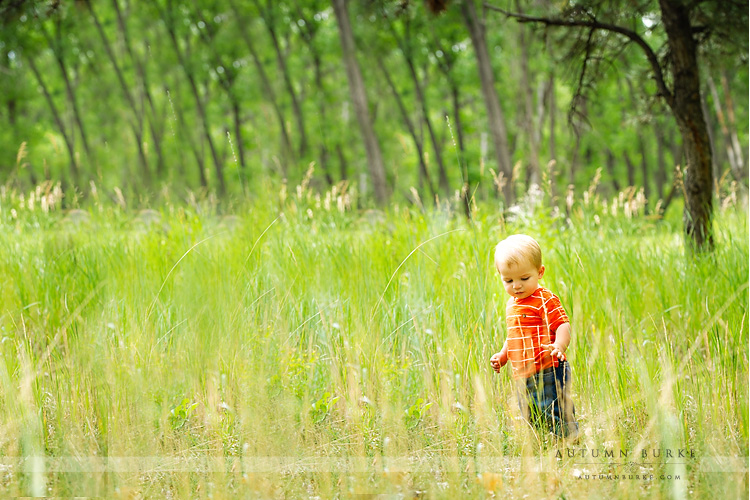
{"type": "Point", "coordinates": [532, 322]}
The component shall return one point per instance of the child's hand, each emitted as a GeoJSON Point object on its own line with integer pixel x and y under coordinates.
{"type": "Point", "coordinates": [554, 351]}
{"type": "Point", "coordinates": [498, 360]}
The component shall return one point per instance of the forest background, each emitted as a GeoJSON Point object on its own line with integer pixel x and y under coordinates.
{"type": "Point", "coordinates": [234, 98]}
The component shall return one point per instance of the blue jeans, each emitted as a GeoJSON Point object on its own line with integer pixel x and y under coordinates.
{"type": "Point", "coordinates": [546, 401]}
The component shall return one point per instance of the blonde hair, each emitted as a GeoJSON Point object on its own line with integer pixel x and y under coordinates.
{"type": "Point", "coordinates": [517, 249]}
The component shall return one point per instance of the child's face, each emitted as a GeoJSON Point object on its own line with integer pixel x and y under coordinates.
{"type": "Point", "coordinates": [520, 280]}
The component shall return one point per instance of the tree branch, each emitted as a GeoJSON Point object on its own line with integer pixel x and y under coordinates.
{"type": "Point", "coordinates": [593, 24]}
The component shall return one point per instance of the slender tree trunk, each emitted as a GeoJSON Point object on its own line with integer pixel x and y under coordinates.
{"type": "Point", "coordinates": [495, 115]}
{"type": "Point", "coordinates": [661, 165]}
{"type": "Point", "coordinates": [322, 111]}
{"type": "Point", "coordinates": [739, 155]}
{"type": "Point", "coordinates": [308, 36]}
{"type": "Point", "coordinates": [270, 24]}
{"type": "Point", "coordinates": [405, 47]}
{"type": "Point", "coordinates": [610, 163]}
{"type": "Point", "coordinates": [74, 169]}
{"type": "Point", "coordinates": [442, 174]}
{"type": "Point", "coordinates": [201, 109]}
{"type": "Point", "coordinates": [644, 168]}
{"type": "Point", "coordinates": [552, 105]}
{"type": "Point", "coordinates": [424, 173]}
{"type": "Point", "coordinates": [686, 106]}
{"type": "Point", "coordinates": [56, 46]}
{"type": "Point", "coordinates": [359, 100]}
{"type": "Point", "coordinates": [227, 80]}
{"type": "Point", "coordinates": [734, 154]}
{"type": "Point", "coordinates": [574, 159]}
{"type": "Point", "coordinates": [156, 127]}
{"type": "Point", "coordinates": [641, 150]}
{"type": "Point", "coordinates": [467, 188]}
{"type": "Point", "coordinates": [534, 171]}
{"type": "Point", "coordinates": [197, 154]}
{"type": "Point", "coordinates": [343, 174]}
{"type": "Point", "coordinates": [237, 115]}
{"type": "Point", "coordinates": [630, 168]}
{"type": "Point", "coordinates": [265, 82]}
{"type": "Point", "coordinates": [446, 63]}
{"type": "Point", "coordinates": [678, 152]}
{"type": "Point", "coordinates": [136, 124]}
{"type": "Point", "coordinates": [715, 167]}
{"type": "Point", "coordinates": [722, 124]}
{"type": "Point", "coordinates": [457, 122]}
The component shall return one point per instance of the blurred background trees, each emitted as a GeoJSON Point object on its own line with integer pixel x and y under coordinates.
{"type": "Point", "coordinates": [234, 97]}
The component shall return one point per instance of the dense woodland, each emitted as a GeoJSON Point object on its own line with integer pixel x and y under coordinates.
{"type": "Point", "coordinates": [235, 97]}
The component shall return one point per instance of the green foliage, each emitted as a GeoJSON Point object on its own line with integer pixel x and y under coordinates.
{"type": "Point", "coordinates": [322, 407]}
{"type": "Point", "coordinates": [182, 113]}
{"type": "Point", "coordinates": [414, 414]}
{"type": "Point", "coordinates": [180, 414]}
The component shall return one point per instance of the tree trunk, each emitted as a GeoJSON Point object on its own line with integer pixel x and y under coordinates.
{"type": "Point", "coordinates": [359, 100]}
{"type": "Point", "coordinates": [405, 47]}
{"type": "Point", "coordinates": [534, 172]}
{"type": "Point", "coordinates": [442, 174]}
{"type": "Point", "coordinates": [56, 47]}
{"type": "Point", "coordinates": [74, 169]}
{"type": "Point", "coordinates": [322, 111]}
{"type": "Point", "coordinates": [446, 64]}
{"type": "Point", "coordinates": [552, 105]}
{"type": "Point", "coordinates": [495, 115]}
{"type": "Point", "coordinates": [686, 106]}
{"type": "Point", "coordinates": [457, 122]}
{"type": "Point", "coordinates": [726, 120]}
{"type": "Point", "coordinates": [265, 81]}
{"type": "Point", "coordinates": [156, 128]}
{"type": "Point", "coordinates": [574, 159]}
{"type": "Point", "coordinates": [270, 24]}
{"type": "Point", "coordinates": [610, 163]}
{"type": "Point", "coordinates": [641, 150]}
{"type": "Point", "coordinates": [236, 113]}
{"type": "Point", "coordinates": [343, 174]}
{"type": "Point", "coordinates": [308, 36]}
{"type": "Point", "coordinates": [199, 160]}
{"type": "Point", "coordinates": [425, 174]}
{"type": "Point", "coordinates": [630, 168]}
{"type": "Point", "coordinates": [200, 107]}
{"type": "Point", "coordinates": [715, 157]}
{"type": "Point", "coordinates": [661, 164]}
{"type": "Point", "coordinates": [739, 155]}
{"type": "Point", "coordinates": [644, 168]}
{"type": "Point", "coordinates": [227, 80]}
{"type": "Point", "coordinates": [136, 124]}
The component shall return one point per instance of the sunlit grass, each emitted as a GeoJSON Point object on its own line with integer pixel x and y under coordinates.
{"type": "Point", "coordinates": [328, 352]}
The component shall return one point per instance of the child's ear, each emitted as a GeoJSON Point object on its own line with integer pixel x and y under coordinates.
{"type": "Point", "coordinates": [541, 272]}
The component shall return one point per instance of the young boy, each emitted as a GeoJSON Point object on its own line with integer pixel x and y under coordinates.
{"type": "Point", "coordinates": [537, 338]}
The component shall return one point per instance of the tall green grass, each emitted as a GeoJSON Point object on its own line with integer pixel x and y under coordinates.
{"type": "Point", "coordinates": [327, 353]}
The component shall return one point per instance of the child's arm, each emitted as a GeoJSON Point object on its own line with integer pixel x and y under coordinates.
{"type": "Point", "coordinates": [499, 359]}
{"type": "Point", "coordinates": [560, 345]}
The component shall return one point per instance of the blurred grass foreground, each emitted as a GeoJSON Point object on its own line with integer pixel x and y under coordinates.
{"type": "Point", "coordinates": [310, 350]}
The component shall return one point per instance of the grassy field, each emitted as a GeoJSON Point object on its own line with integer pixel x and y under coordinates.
{"type": "Point", "coordinates": [332, 353]}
